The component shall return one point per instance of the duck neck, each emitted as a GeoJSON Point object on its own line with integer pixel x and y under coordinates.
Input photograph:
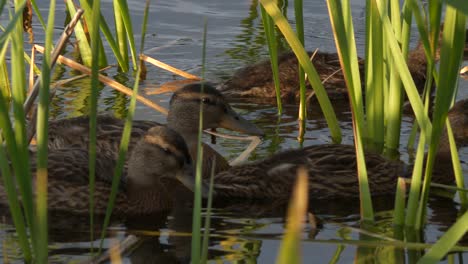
{"type": "Point", "coordinates": [188, 130]}
{"type": "Point", "coordinates": [147, 199]}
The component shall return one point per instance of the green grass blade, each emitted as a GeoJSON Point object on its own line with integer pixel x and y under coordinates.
{"type": "Point", "coordinates": [122, 7]}
{"type": "Point", "coordinates": [303, 59]}
{"type": "Point", "coordinates": [21, 159]}
{"type": "Point", "coordinates": [197, 203]}
{"type": "Point", "coordinates": [298, 10]}
{"type": "Point", "coordinates": [121, 34]}
{"type": "Point", "coordinates": [125, 137]}
{"type": "Point", "coordinates": [11, 26]}
{"type": "Point", "coordinates": [340, 17]}
{"type": "Point", "coordinates": [289, 249]}
{"type": "Point", "coordinates": [83, 44]}
{"type": "Point", "coordinates": [459, 4]}
{"type": "Point", "coordinates": [460, 180]}
{"type": "Point", "coordinates": [447, 241]}
{"type": "Point", "coordinates": [4, 78]}
{"type": "Point", "coordinates": [94, 31]}
{"type": "Point", "coordinates": [451, 55]}
{"type": "Point", "coordinates": [42, 143]}
{"type": "Point", "coordinates": [269, 28]}
{"type": "Point", "coordinates": [206, 233]}
{"type": "Point", "coordinates": [38, 13]}
{"type": "Point", "coordinates": [402, 69]}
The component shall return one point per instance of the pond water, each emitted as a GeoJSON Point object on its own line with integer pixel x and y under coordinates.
{"type": "Point", "coordinates": [247, 234]}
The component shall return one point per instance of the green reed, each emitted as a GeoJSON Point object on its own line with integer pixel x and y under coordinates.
{"type": "Point", "coordinates": [269, 28]}
{"type": "Point", "coordinates": [119, 45]}
{"type": "Point", "coordinates": [283, 25]}
{"type": "Point", "coordinates": [42, 146]}
{"type": "Point", "coordinates": [125, 134]}
{"type": "Point", "coordinates": [197, 199]}
{"type": "Point", "coordinates": [95, 19]}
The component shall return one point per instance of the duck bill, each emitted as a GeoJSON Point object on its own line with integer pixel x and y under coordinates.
{"type": "Point", "coordinates": [187, 178]}
{"type": "Point", "coordinates": [233, 121]}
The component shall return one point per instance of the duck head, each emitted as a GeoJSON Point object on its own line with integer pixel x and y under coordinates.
{"type": "Point", "coordinates": [184, 111]}
{"type": "Point", "coordinates": [161, 154]}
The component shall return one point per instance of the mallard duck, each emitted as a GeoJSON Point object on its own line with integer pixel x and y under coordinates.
{"type": "Point", "coordinates": [332, 170]}
{"type": "Point", "coordinates": [159, 157]}
{"type": "Point", "coordinates": [183, 117]}
{"type": "Point", "coordinates": [256, 81]}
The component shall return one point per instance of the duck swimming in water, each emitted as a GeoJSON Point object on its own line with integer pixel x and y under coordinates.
{"type": "Point", "coordinates": [183, 117]}
{"type": "Point", "coordinates": [256, 81]}
{"type": "Point", "coordinates": [332, 170]}
{"type": "Point", "coordinates": [160, 156]}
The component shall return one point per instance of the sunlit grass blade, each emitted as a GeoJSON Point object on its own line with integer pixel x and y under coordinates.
{"type": "Point", "coordinates": [270, 35]}
{"type": "Point", "coordinates": [197, 200]}
{"type": "Point", "coordinates": [301, 54]}
{"type": "Point", "coordinates": [125, 136]}
{"type": "Point", "coordinates": [340, 17]}
{"type": "Point", "coordinates": [4, 78]}
{"type": "Point", "coordinates": [11, 26]}
{"type": "Point", "coordinates": [94, 32]}
{"type": "Point", "coordinates": [289, 250]}
{"type": "Point", "coordinates": [121, 6]}
{"type": "Point", "coordinates": [42, 144]}
{"type": "Point", "coordinates": [375, 79]}
{"type": "Point", "coordinates": [393, 113]}
{"type": "Point", "coordinates": [298, 10]}
{"type": "Point", "coordinates": [89, 16]}
{"type": "Point", "coordinates": [83, 44]}
{"type": "Point", "coordinates": [403, 71]}
{"type": "Point", "coordinates": [17, 144]}
{"type": "Point", "coordinates": [416, 183]}
{"type": "Point", "coordinates": [447, 241]}
{"type": "Point", "coordinates": [459, 4]}
{"type": "Point", "coordinates": [120, 32]}
{"type": "Point", "coordinates": [399, 210]}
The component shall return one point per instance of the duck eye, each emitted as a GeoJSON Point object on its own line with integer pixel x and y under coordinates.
{"type": "Point", "coordinates": [167, 151]}
{"type": "Point", "coordinates": [206, 100]}
{"type": "Point", "coordinates": [225, 110]}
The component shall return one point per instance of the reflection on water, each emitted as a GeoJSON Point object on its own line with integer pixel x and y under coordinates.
{"type": "Point", "coordinates": [248, 233]}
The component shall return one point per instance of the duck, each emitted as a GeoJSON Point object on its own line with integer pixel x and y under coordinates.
{"type": "Point", "coordinates": [256, 81]}
{"type": "Point", "coordinates": [159, 159]}
{"type": "Point", "coordinates": [183, 117]}
{"type": "Point", "coordinates": [332, 170]}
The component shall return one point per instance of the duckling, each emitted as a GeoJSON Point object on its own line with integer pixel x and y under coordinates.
{"type": "Point", "coordinates": [159, 157]}
{"type": "Point", "coordinates": [183, 117]}
{"type": "Point", "coordinates": [332, 170]}
{"type": "Point", "coordinates": [256, 81]}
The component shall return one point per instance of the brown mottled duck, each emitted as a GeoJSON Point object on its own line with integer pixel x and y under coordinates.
{"type": "Point", "coordinates": [332, 170]}
{"type": "Point", "coordinates": [256, 81]}
{"type": "Point", "coordinates": [159, 157]}
{"type": "Point", "coordinates": [183, 117]}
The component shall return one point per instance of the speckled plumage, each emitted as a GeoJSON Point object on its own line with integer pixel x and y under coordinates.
{"type": "Point", "coordinates": [159, 157]}
{"type": "Point", "coordinates": [183, 118]}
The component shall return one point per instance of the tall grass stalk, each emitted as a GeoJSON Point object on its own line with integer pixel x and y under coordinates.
{"type": "Point", "coordinates": [289, 250]}
{"type": "Point", "coordinates": [451, 55]}
{"type": "Point", "coordinates": [95, 49]}
{"type": "Point", "coordinates": [83, 46]}
{"type": "Point", "coordinates": [456, 165]}
{"type": "Point", "coordinates": [269, 27]}
{"type": "Point", "coordinates": [42, 146]}
{"type": "Point", "coordinates": [197, 200]}
{"type": "Point", "coordinates": [447, 241]}
{"type": "Point", "coordinates": [314, 79]}
{"type": "Point", "coordinates": [298, 10]}
{"type": "Point", "coordinates": [206, 233]}
{"type": "Point", "coordinates": [17, 144]}
{"type": "Point", "coordinates": [125, 135]}
{"type": "Point", "coordinates": [341, 20]}
{"type": "Point", "coordinates": [121, 7]}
